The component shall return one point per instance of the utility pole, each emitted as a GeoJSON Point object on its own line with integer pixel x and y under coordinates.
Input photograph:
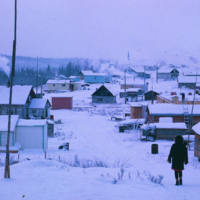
{"type": "Point", "coordinates": [125, 86]}
{"type": "Point", "coordinates": [37, 77]}
{"type": "Point", "coordinates": [7, 164]}
{"type": "Point", "coordinates": [144, 81]}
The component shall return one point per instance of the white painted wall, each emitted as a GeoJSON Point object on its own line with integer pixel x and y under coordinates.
{"type": "Point", "coordinates": [32, 137]}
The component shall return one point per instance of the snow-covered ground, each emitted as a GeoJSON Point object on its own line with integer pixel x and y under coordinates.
{"type": "Point", "coordinates": [98, 157]}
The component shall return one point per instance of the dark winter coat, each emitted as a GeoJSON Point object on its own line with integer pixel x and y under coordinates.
{"type": "Point", "coordinates": [178, 154]}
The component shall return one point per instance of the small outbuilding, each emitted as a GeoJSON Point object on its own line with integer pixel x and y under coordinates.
{"type": "Point", "coordinates": [32, 134]}
{"type": "Point", "coordinates": [149, 95]}
{"type": "Point", "coordinates": [39, 108]}
{"type": "Point", "coordinates": [62, 102]}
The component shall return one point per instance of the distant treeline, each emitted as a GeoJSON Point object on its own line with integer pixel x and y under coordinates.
{"type": "Point", "coordinates": [32, 76]}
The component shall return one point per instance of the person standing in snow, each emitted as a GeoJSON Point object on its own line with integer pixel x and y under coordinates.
{"type": "Point", "coordinates": [178, 154]}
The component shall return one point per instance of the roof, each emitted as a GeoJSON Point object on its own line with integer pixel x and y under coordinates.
{"type": "Point", "coordinates": [38, 103]}
{"type": "Point", "coordinates": [152, 91]}
{"type": "Point", "coordinates": [31, 122]}
{"type": "Point", "coordinates": [180, 125]}
{"type": "Point", "coordinates": [188, 79]}
{"type": "Point", "coordinates": [4, 122]}
{"type": "Point", "coordinates": [87, 72]}
{"type": "Point", "coordinates": [112, 90]}
{"type": "Point", "coordinates": [139, 104]}
{"type": "Point", "coordinates": [57, 81]}
{"type": "Point", "coordinates": [166, 70]}
{"type": "Point", "coordinates": [196, 128]}
{"type": "Point", "coordinates": [19, 95]}
{"type": "Point", "coordinates": [172, 109]}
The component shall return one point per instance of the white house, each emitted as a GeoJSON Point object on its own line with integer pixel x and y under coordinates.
{"type": "Point", "coordinates": [32, 134]}
{"type": "Point", "coordinates": [4, 129]}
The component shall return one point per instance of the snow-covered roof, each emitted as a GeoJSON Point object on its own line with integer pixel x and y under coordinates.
{"type": "Point", "coordinates": [180, 125]}
{"type": "Point", "coordinates": [4, 122]}
{"type": "Point", "coordinates": [133, 121]}
{"type": "Point", "coordinates": [73, 76]}
{"type": "Point", "coordinates": [57, 81]}
{"type": "Point", "coordinates": [188, 79]}
{"type": "Point", "coordinates": [31, 122]}
{"type": "Point", "coordinates": [196, 128]}
{"type": "Point", "coordinates": [113, 90]}
{"type": "Point", "coordinates": [172, 109]}
{"type": "Point", "coordinates": [19, 95]}
{"type": "Point", "coordinates": [87, 72]}
{"type": "Point", "coordinates": [38, 103]}
{"type": "Point", "coordinates": [165, 70]}
{"type": "Point", "coordinates": [138, 104]}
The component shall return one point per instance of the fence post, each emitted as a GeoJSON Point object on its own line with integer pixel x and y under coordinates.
{"type": "Point", "coordinates": [18, 158]}
{"type": "Point", "coordinates": [59, 158]}
{"type": "Point", "coordinates": [45, 154]}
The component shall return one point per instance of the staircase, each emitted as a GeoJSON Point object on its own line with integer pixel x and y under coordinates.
{"type": "Point", "coordinates": [186, 118]}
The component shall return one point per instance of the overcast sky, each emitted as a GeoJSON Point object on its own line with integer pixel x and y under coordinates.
{"type": "Point", "coordinates": [102, 28]}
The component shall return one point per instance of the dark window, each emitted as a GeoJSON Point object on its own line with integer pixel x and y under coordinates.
{"type": "Point", "coordinates": [54, 85]}
{"type": "Point", "coordinates": [63, 85]}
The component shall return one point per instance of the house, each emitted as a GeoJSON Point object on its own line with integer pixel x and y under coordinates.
{"type": "Point", "coordinates": [139, 72]}
{"type": "Point", "coordinates": [21, 98]}
{"type": "Point", "coordinates": [132, 94]}
{"type": "Point", "coordinates": [179, 97]}
{"type": "Point", "coordinates": [60, 102]}
{"type": "Point", "coordinates": [74, 78]}
{"type": "Point", "coordinates": [164, 129]}
{"type": "Point", "coordinates": [178, 112]}
{"type": "Point", "coordinates": [196, 129]}
{"type": "Point", "coordinates": [149, 95]}
{"type": "Point", "coordinates": [83, 73]}
{"type": "Point", "coordinates": [98, 78]}
{"type": "Point", "coordinates": [32, 134]}
{"type": "Point", "coordinates": [138, 109]}
{"type": "Point", "coordinates": [188, 81]}
{"type": "Point", "coordinates": [39, 108]}
{"type": "Point", "coordinates": [130, 83]}
{"type": "Point", "coordinates": [57, 85]}
{"type": "Point", "coordinates": [104, 95]}
{"type": "Point", "coordinates": [167, 73]}
{"type": "Point", "coordinates": [4, 130]}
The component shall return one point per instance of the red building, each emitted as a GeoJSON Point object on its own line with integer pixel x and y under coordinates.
{"type": "Point", "coordinates": [61, 103]}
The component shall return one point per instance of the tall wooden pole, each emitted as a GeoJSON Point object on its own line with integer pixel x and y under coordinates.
{"type": "Point", "coordinates": [7, 164]}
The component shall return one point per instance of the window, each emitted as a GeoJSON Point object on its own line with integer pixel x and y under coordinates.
{"type": "Point", "coordinates": [63, 85]}
{"type": "Point", "coordinates": [54, 85]}
{"type": "Point", "coordinates": [99, 99]}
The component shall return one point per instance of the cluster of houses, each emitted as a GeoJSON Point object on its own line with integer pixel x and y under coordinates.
{"type": "Point", "coordinates": [30, 124]}
{"type": "Point", "coordinates": [162, 115]}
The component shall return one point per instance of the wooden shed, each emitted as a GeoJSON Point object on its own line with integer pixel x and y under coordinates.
{"type": "Point", "coordinates": [196, 129]}
{"type": "Point", "coordinates": [164, 131]}
{"type": "Point", "coordinates": [61, 103]}
{"type": "Point", "coordinates": [150, 95]}
{"type": "Point", "coordinates": [103, 95]}
{"type": "Point", "coordinates": [32, 134]}
{"type": "Point", "coordinates": [138, 109]}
